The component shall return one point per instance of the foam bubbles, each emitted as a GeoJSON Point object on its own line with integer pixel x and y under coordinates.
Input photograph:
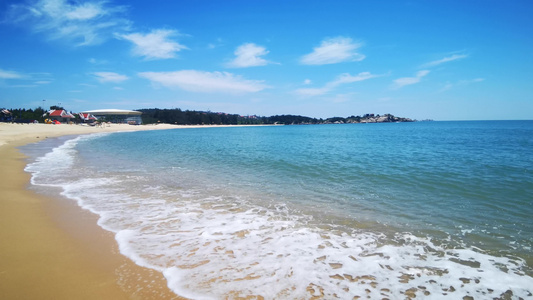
{"type": "Point", "coordinates": [209, 247]}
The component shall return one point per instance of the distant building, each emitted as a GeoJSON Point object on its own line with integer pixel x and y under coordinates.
{"type": "Point", "coordinates": [5, 116]}
{"type": "Point", "coordinates": [87, 118]}
{"type": "Point", "coordinates": [60, 115]}
{"type": "Point", "coordinates": [116, 116]}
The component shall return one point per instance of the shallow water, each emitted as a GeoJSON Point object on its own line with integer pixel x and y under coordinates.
{"type": "Point", "coordinates": [438, 209]}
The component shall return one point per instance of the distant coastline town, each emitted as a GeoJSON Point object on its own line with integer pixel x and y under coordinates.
{"type": "Point", "coordinates": [57, 115]}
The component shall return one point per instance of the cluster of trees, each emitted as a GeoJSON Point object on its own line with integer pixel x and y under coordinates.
{"type": "Point", "coordinates": [24, 115]}
{"type": "Point", "coordinates": [189, 117]}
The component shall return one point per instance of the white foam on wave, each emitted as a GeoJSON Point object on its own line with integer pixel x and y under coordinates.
{"type": "Point", "coordinates": [226, 247]}
{"type": "Point", "coordinates": [208, 247]}
{"type": "Point", "coordinates": [46, 168]}
{"type": "Point", "coordinates": [51, 168]}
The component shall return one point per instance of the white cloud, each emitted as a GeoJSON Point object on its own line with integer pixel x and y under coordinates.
{"type": "Point", "coordinates": [449, 86]}
{"type": "Point", "coordinates": [23, 79]}
{"type": "Point", "coordinates": [95, 61]}
{"type": "Point", "coordinates": [87, 85]}
{"type": "Point", "coordinates": [475, 80]}
{"type": "Point", "coordinates": [87, 23]}
{"type": "Point", "coordinates": [444, 60]}
{"type": "Point", "coordinates": [10, 75]}
{"type": "Point", "coordinates": [85, 11]}
{"type": "Point", "coordinates": [341, 98]}
{"type": "Point", "coordinates": [154, 45]}
{"type": "Point", "coordinates": [43, 82]}
{"type": "Point", "coordinates": [334, 50]}
{"type": "Point", "coordinates": [347, 78]}
{"type": "Point", "coordinates": [249, 55]}
{"type": "Point", "coordinates": [446, 87]}
{"type": "Point", "coordinates": [200, 81]}
{"type": "Point", "coordinates": [307, 81]}
{"type": "Point", "coordinates": [401, 82]}
{"type": "Point", "coordinates": [218, 43]}
{"type": "Point", "coordinates": [341, 79]}
{"type": "Point", "coordinates": [309, 92]}
{"type": "Point", "coordinates": [110, 77]}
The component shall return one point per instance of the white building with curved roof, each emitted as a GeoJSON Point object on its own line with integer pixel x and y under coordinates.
{"type": "Point", "coordinates": [117, 115]}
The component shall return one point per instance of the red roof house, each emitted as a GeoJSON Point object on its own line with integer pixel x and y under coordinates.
{"type": "Point", "coordinates": [87, 117]}
{"type": "Point", "coordinates": [60, 115]}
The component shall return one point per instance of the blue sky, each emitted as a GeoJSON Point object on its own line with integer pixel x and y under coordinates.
{"type": "Point", "coordinates": [443, 60]}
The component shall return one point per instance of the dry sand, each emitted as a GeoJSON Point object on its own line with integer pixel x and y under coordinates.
{"type": "Point", "coordinates": [51, 248]}
{"type": "Point", "coordinates": [33, 132]}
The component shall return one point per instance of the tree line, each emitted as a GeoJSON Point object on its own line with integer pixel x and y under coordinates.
{"type": "Point", "coordinates": [191, 117]}
{"type": "Point", "coordinates": [22, 115]}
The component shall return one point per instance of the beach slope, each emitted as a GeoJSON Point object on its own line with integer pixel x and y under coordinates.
{"type": "Point", "coordinates": [51, 248]}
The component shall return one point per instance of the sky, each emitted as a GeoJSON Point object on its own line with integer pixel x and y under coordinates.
{"type": "Point", "coordinates": [441, 60]}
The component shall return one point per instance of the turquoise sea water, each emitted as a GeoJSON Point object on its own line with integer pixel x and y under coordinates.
{"type": "Point", "coordinates": [430, 209]}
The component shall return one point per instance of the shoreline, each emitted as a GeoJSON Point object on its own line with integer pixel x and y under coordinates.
{"type": "Point", "coordinates": [33, 133]}
{"type": "Point", "coordinates": [54, 249]}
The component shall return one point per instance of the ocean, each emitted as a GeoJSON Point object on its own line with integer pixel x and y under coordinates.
{"type": "Point", "coordinates": [439, 210]}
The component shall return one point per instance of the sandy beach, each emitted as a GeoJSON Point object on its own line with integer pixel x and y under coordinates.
{"type": "Point", "coordinates": [51, 248]}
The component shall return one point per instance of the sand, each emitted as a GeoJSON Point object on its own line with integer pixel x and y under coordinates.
{"type": "Point", "coordinates": [51, 248]}
{"type": "Point", "coordinates": [33, 132]}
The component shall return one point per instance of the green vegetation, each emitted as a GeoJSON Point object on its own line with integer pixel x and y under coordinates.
{"type": "Point", "coordinates": [22, 115]}
{"type": "Point", "coordinates": [188, 117]}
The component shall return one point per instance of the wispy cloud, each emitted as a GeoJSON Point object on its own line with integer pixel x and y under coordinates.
{"type": "Point", "coordinates": [446, 87]}
{"type": "Point", "coordinates": [347, 78]}
{"type": "Point", "coordinates": [95, 61]}
{"type": "Point", "coordinates": [154, 45]}
{"type": "Point", "coordinates": [341, 79]}
{"type": "Point", "coordinates": [218, 43]}
{"type": "Point", "coordinates": [85, 11]}
{"type": "Point", "coordinates": [444, 60]}
{"type": "Point", "coordinates": [341, 98]}
{"type": "Point", "coordinates": [104, 77]}
{"type": "Point", "coordinates": [449, 86]}
{"type": "Point", "coordinates": [332, 51]}
{"type": "Point", "coordinates": [10, 75]}
{"type": "Point", "coordinates": [86, 23]}
{"type": "Point", "coordinates": [310, 92]}
{"type": "Point", "coordinates": [24, 80]}
{"type": "Point", "coordinates": [401, 82]}
{"type": "Point", "coordinates": [208, 82]}
{"type": "Point", "coordinates": [249, 55]}
{"type": "Point", "coordinates": [475, 80]}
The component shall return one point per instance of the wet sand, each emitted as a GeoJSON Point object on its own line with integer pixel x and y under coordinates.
{"type": "Point", "coordinates": [51, 248]}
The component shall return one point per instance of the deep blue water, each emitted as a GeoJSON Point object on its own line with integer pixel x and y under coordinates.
{"type": "Point", "coordinates": [315, 206]}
